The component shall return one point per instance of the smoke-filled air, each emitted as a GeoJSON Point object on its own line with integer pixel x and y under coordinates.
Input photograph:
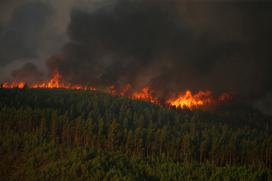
{"type": "Point", "coordinates": [179, 53]}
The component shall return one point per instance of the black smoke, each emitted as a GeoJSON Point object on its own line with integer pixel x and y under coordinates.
{"type": "Point", "coordinates": [219, 46]}
{"type": "Point", "coordinates": [20, 36]}
{"type": "Point", "coordinates": [28, 73]}
{"type": "Point", "coordinates": [168, 45]}
{"type": "Point", "coordinates": [138, 43]}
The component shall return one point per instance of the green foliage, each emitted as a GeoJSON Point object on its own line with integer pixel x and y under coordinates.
{"type": "Point", "coordinates": [85, 135]}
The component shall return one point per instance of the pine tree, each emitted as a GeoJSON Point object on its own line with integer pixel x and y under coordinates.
{"type": "Point", "coordinates": [101, 133]}
{"type": "Point", "coordinates": [42, 128]}
{"type": "Point", "coordinates": [113, 139]}
{"type": "Point", "coordinates": [129, 142]}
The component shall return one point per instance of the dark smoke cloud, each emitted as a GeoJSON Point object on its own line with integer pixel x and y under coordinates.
{"type": "Point", "coordinates": [169, 45]}
{"type": "Point", "coordinates": [199, 45]}
{"type": "Point", "coordinates": [120, 42]}
{"type": "Point", "coordinates": [20, 39]}
{"type": "Point", "coordinates": [31, 31]}
{"type": "Point", "coordinates": [28, 73]}
{"type": "Point", "coordinates": [115, 43]}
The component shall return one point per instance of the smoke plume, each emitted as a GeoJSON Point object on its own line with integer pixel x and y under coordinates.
{"type": "Point", "coordinates": [167, 45]}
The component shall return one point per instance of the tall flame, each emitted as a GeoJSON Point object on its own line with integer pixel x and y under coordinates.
{"type": "Point", "coordinates": [54, 82]}
{"type": "Point", "coordinates": [190, 100]}
{"type": "Point", "coordinates": [187, 99]}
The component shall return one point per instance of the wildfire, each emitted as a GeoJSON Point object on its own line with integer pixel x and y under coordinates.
{"type": "Point", "coordinates": [56, 82]}
{"type": "Point", "coordinates": [125, 89]}
{"type": "Point", "coordinates": [190, 101]}
{"type": "Point", "coordinates": [14, 84]}
{"type": "Point", "coordinates": [145, 94]}
{"type": "Point", "coordinates": [187, 99]}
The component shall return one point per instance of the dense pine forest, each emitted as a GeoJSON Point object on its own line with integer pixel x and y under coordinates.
{"type": "Point", "coordinates": [85, 135]}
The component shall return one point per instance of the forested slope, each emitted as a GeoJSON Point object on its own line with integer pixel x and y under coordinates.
{"type": "Point", "coordinates": [68, 134]}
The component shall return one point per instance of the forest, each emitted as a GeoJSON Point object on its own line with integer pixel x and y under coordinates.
{"type": "Point", "coordinates": [57, 134]}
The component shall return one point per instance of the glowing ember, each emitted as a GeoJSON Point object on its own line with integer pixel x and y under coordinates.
{"type": "Point", "coordinates": [14, 84]}
{"type": "Point", "coordinates": [125, 89]}
{"type": "Point", "coordinates": [225, 97]}
{"type": "Point", "coordinates": [145, 94]}
{"type": "Point", "coordinates": [188, 99]}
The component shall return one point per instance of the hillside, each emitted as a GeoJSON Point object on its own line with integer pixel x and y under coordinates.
{"type": "Point", "coordinates": [87, 135]}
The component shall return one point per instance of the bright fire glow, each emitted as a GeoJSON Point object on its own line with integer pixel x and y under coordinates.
{"type": "Point", "coordinates": [13, 84]}
{"type": "Point", "coordinates": [183, 100]}
{"type": "Point", "coordinates": [145, 94]}
{"type": "Point", "coordinates": [56, 82]}
{"type": "Point", "coordinates": [190, 100]}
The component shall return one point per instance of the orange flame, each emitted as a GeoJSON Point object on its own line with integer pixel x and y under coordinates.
{"type": "Point", "coordinates": [188, 99]}
{"type": "Point", "coordinates": [145, 94]}
{"type": "Point", "coordinates": [125, 89]}
{"type": "Point", "coordinates": [56, 82]}
{"type": "Point", "coordinates": [13, 84]}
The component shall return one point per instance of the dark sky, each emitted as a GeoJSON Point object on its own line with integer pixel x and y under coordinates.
{"type": "Point", "coordinates": [170, 45]}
